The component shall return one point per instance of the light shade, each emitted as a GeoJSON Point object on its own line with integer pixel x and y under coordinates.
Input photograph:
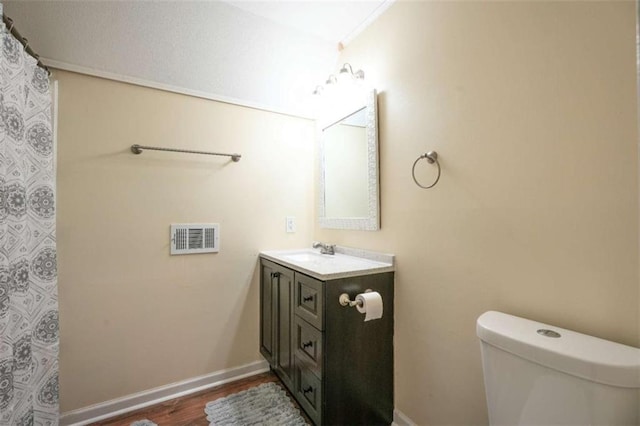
{"type": "Point", "coordinates": [345, 75]}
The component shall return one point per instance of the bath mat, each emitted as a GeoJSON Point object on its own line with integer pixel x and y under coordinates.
{"type": "Point", "coordinates": [267, 404]}
{"type": "Point", "coordinates": [143, 422]}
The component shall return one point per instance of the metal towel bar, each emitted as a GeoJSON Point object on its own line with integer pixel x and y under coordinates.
{"type": "Point", "coordinates": [137, 149]}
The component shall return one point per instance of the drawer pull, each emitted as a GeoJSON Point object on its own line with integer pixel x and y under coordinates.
{"type": "Point", "coordinates": [307, 390]}
{"type": "Point", "coordinates": [307, 344]}
{"type": "Point", "coordinates": [307, 299]}
{"type": "Point", "coordinates": [275, 275]}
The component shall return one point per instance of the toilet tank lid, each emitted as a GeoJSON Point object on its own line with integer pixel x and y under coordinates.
{"type": "Point", "coordinates": [574, 353]}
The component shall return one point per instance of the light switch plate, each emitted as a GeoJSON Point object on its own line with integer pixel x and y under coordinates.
{"type": "Point", "coordinates": [290, 224]}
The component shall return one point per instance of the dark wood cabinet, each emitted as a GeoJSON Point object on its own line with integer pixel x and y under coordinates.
{"type": "Point", "coordinates": [268, 300]}
{"type": "Point", "coordinates": [276, 314]}
{"type": "Point", "coordinates": [337, 366]}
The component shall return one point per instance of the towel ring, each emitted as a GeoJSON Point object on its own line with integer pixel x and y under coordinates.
{"type": "Point", "coordinates": [431, 157]}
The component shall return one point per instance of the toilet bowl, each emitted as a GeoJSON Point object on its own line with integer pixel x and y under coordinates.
{"type": "Point", "coordinates": [537, 374]}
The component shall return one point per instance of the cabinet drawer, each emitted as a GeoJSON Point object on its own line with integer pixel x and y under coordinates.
{"type": "Point", "coordinates": [308, 391]}
{"type": "Point", "coordinates": [308, 345]}
{"type": "Point", "coordinates": [309, 300]}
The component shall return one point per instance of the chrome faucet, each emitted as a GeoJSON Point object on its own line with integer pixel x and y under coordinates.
{"type": "Point", "coordinates": [324, 248]}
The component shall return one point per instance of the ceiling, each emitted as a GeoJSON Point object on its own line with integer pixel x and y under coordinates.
{"type": "Point", "coordinates": [263, 54]}
{"type": "Point", "coordinates": [334, 21]}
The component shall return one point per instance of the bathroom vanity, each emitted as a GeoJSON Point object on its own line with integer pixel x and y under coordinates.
{"type": "Point", "coordinates": [338, 367]}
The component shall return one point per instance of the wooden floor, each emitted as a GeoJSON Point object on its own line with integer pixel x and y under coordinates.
{"type": "Point", "coordinates": [189, 410]}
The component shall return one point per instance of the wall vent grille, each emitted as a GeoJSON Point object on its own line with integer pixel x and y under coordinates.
{"type": "Point", "coordinates": [191, 238]}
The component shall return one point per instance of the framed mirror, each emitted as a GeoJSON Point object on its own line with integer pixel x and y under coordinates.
{"type": "Point", "coordinates": [348, 176]}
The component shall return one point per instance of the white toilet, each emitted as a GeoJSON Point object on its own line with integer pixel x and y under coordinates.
{"type": "Point", "coordinates": [537, 374]}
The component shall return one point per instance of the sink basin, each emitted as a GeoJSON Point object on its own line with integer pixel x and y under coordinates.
{"type": "Point", "coordinates": [345, 263]}
{"type": "Point", "coordinates": [308, 257]}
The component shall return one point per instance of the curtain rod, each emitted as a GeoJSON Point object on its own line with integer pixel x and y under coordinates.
{"type": "Point", "coordinates": [12, 29]}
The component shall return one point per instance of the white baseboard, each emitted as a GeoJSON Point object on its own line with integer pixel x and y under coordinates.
{"type": "Point", "coordinates": [401, 419]}
{"type": "Point", "coordinates": [115, 407]}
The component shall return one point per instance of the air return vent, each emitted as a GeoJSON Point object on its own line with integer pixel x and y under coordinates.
{"type": "Point", "coordinates": [190, 238]}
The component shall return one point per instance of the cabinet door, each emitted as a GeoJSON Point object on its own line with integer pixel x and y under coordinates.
{"type": "Point", "coordinates": [285, 348]}
{"type": "Point", "coordinates": [268, 305]}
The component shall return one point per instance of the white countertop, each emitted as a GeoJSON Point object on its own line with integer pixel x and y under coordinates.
{"type": "Point", "coordinates": [347, 262]}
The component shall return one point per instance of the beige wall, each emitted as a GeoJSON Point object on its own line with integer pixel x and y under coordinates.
{"type": "Point", "coordinates": [532, 108]}
{"type": "Point", "coordinates": [133, 317]}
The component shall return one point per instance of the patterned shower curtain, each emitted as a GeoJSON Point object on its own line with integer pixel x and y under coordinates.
{"type": "Point", "coordinates": [28, 272]}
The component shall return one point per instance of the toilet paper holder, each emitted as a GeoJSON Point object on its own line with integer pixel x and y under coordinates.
{"type": "Point", "coordinates": [344, 299]}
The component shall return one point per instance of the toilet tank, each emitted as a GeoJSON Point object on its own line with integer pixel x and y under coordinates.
{"type": "Point", "coordinates": [537, 374]}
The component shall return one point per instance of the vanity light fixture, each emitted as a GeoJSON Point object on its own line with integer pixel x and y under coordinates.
{"type": "Point", "coordinates": [344, 75]}
{"type": "Point", "coordinates": [346, 72]}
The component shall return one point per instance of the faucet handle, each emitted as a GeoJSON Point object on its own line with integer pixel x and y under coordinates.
{"type": "Point", "coordinates": [324, 248]}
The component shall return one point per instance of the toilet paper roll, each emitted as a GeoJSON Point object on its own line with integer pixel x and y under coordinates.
{"type": "Point", "coordinates": [371, 305]}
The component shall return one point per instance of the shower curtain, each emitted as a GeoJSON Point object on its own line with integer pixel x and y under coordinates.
{"type": "Point", "coordinates": [28, 271]}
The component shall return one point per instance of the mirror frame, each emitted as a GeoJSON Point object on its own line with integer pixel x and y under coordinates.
{"type": "Point", "coordinates": [366, 98]}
